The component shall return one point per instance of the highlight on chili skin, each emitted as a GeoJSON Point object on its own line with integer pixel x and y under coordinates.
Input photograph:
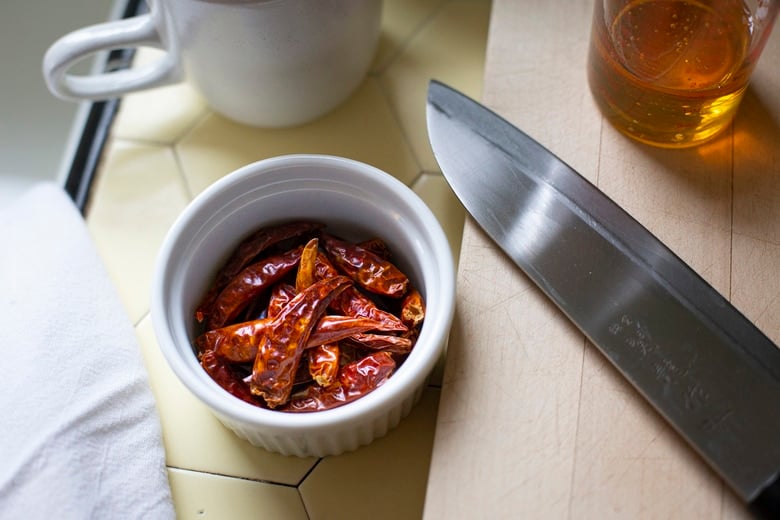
{"type": "Point", "coordinates": [299, 320]}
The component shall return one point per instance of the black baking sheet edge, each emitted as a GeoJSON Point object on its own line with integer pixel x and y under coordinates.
{"type": "Point", "coordinates": [97, 125]}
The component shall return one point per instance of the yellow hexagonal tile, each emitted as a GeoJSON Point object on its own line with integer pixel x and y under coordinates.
{"type": "Point", "coordinates": [450, 48]}
{"type": "Point", "coordinates": [400, 20]}
{"type": "Point", "coordinates": [386, 479]}
{"type": "Point", "coordinates": [437, 194]}
{"type": "Point", "coordinates": [363, 128]}
{"type": "Point", "coordinates": [159, 115]}
{"type": "Point", "coordinates": [202, 495]}
{"type": "Point", "coordinates": [134, 202]}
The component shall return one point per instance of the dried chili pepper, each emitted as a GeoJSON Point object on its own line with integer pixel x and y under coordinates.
{"type": "Point", "coordinates": [394, 344]}
{"type": "Point", "coordinates": [280, 350]}
{"type": "Point", "coordinates": [377, 246]}
{"type": "Point", "coordinates": [353, 303]}
{"type": "Point", "coordinates": [281, 294]}
{"type": "Point", "coordinates": [370, 271]}
{"type": "Point", "coordinates": [355, 380]}
{"type": "Point", "coordinates": [306, 267]}
{"type": "Point", "coordinates": [238, 343]}
{"type": "Point", "coordinates": [247, 251]}
{"type": "Point", "coordinates": [322, 360]}
{"type": "Point", "coordinates": [413, 309]}
{"type": "Point", "coordinates": [249, 283]}
{"type": "Point", "coordinates": [331, 329]}
{"type": "Point", "coordinates": [227, 378]}
{"type": "Point", "coordinates": [289, 340]}
{"type": "Point", "coordinates": [324, 363]}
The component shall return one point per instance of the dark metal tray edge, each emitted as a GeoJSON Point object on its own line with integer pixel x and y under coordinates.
{"type": "Point", "coordinates": [91, 142]}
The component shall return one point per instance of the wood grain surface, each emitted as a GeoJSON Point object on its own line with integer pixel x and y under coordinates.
{"type": "Point", "coordinates": [533, 421]}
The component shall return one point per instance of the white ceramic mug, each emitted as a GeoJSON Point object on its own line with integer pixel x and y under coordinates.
{"type": "Point", "coordinates": [258, 62]}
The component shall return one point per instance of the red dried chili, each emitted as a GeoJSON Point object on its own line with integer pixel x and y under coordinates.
{"type": "Point", "coordinates": [377, 246]}
{"type": "Point", "coordinates": [279, 353]}
{"type": "Point", "coordinates": [305, 275]}
{"type": "Point", "coordinates": [238, 343]}
{"type": "Point", "coordinates": [394, 344]}
{"type": "Point", "coordinates": [324, 363]}
{"type": "Point", "coordinates": [353, 303]}
{"type": "Point", "coordinates": [226, 377]}
{"type": "Point", "coordinates": [281, 294]}
{"type": "Point", "coordinates": [249, 283]}
{"type": "Point", "coordinates": [248, 250]}
{"type": "Point", "coordinates": [331, 329]}
{"type": "Point", "coordinates": [413, 309]}
{"type": "Point", "coordinates": [290, 346]}
{"type": "Point", "coordinates": [369, 270]}
{"type": "Point", "coordinates": [355, 380]}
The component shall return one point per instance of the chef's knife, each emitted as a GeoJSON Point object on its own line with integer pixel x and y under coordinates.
{"type": "Point", "coordinates": [707, 369]}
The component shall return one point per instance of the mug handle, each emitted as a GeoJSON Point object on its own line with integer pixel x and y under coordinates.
{"type": "Point", "coordinates": [130, 32]}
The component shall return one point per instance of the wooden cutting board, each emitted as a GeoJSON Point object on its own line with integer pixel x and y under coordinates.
{"type": "Point", "coordinates": [533, 422]}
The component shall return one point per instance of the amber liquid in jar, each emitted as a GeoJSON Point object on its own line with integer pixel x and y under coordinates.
{"type": "Point", "coordinates": [670, 72]}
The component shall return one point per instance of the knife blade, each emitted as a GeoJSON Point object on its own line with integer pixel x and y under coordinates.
{"type": "Point", "coordinates": [700, 363]}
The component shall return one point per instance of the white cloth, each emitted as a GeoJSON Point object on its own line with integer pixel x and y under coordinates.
{"type": "Point", "coordinates": [79, 434]}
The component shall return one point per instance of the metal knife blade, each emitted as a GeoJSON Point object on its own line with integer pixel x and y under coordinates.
{"type": "Point", "coordinates": [706, 368]}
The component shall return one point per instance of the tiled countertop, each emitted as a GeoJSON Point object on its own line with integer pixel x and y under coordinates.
{"type": "Point", "coordinates": [165, 147]}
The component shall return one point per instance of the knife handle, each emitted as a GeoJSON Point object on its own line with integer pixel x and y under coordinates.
{"type": "Point", "coordinates": [767, 504]}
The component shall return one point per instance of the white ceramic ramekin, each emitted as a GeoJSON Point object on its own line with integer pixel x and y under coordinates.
{"type": "Point", "coordinates": [356, 201]}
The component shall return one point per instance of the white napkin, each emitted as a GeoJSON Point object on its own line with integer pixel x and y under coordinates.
{"type": "Point", "coordinates": [79, 435]}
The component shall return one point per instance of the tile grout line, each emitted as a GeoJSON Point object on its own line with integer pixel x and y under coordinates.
{"type": "Point", "coordinates": [301, 481]}
{"type": "Point", "coordinates": [181, 174]}
{"type": "Point", "coordinates": [233, 477]}
{"type": "Point", "coordinates": [382, 68]}
{"type": "Point", "coordinates": [379, 74]}
{"type": "Point", "coordinates": [399, 123]}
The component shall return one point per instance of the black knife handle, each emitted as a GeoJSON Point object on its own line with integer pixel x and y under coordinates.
{"type": "Point", "coordinates": [767, 504]}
